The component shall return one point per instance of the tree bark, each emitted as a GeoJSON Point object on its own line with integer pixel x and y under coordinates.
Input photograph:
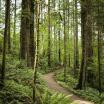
{"type": "Point", "coordinates": [14, 34]}
{"type": "Point", "coordinates": [76, 51]}
{"type": "Point", "coordinates": [9, 37]}
{"type": "Point", "coordinates": [32, 43]}
{"type": "Point", "coordinates": [0, 10]}
{"type": "Point", "coordinates": [49, 38]}
{"type": "Point", "coordinates": [7, 9]}
{"type": "Point", "coordinates": [68, 34]}
{"type": "Point", "coordinates": [65, 40]}
{"type": "Point", "coordinates": [99, 51]}
{"type": "Point", "coordinates": [36, 50]}
{"type": "Point", "coordinates": [27, 46]}
{"type": "Point", "coordinates": [23, 36]}
{"type": "Point", "coordinates": [87, 50]}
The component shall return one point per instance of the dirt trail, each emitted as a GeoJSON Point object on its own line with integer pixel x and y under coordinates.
{"type": "Point", "coordinates": [53, 85]}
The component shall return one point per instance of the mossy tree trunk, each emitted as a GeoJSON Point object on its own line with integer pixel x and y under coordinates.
{"type": "Point", "coordinates": [32, 42]}
{"type": "Point", "coordinates": [27, 46]}
{"type": "Point", "coordinates": [23, 34]}
{"type": "Point", "coordinates": [36, 49]}
{"type": "Point", "coordinates": [7, 10]}
{"type": "Point", "coordinates": [87, 50]}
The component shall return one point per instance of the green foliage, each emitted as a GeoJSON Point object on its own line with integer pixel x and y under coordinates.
{"type": "Point", "coordinates": [19, 86]}
{"type": "Point", "coordinates": [69, 78]}
{"type": "Point", "coordinates": [18, 83]}
{"type": "Point", "coordinates": [43, 65]}
{"type": "Point", "coordinates": [55, 98]}
{"type": "Point", "coordinates": [88, 93]}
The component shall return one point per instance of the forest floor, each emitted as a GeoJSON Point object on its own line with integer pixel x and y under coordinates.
{"type": "Point", "coordinates": [53, 85]}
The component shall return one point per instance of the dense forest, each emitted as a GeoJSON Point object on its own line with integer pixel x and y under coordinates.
{"type": "Point", "coordinates": [51, 51]}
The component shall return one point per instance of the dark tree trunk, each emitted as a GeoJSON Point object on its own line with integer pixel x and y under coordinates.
{"type": "Point", "coordinates": [59, 37]}
{"type": "Point", "coordinates": [8, 33]}
{"type": "Point", "coordinates": [14, 34]}
{"type": "Point", "coordinates": [7, 9]}
{"type": "Point", "coordinates": [27, 48]}
{"type": "Point", "coordinates": [23, 36]}
{"type": "Point", "coordinates": [87, 50]}
{"type": "Point", "coordinates": [32, 43]}
{"type": "Point", "coordinates": [99, 51]}
{"type": "Point", "coordinates": [68, 34]}
{"type": "Point", "coordinates": [65, 40]}
{"type": "Point", "coordinates": [76, 51]}
{"type": "Point", "coordinates": [49, 38]}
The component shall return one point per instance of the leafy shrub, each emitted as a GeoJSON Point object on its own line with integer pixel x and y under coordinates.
{"type": "Point", "coordinates": [88, 93]}
{"type": "Point", "coordinates": [55, 98]}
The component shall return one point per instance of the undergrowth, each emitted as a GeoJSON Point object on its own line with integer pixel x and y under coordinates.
{"type": "Point", "coordinates": [19, 86]}
{"type": "Point", "coordinates": [88, 93]}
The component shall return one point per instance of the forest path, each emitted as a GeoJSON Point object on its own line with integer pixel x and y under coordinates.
{"type": "Point", "coordinates": [53, 85]}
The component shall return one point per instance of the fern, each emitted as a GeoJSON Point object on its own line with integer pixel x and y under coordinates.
{"type": "Point", "coordinates": [54, 98]}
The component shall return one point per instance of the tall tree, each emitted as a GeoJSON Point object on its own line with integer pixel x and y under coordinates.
{"type": "Point", "coordinates": [23, 33]}
{"type": "Point", "coordinates": [8, 32]}
{"type": "Point", "coordinates": [49, 37]}
{"type": "Point", "coordinates": [68, 31]}
{"type": "Point", "coordinates": [99, 50]}
{"type": "Point", "coordinates": [27, 32]}
{"type": "Point", "coordinates": [87, 50]}
{"type": "Point", "coordinates": [32, 43]}
{"type": "Point", "coordinates": [65, 39]}
{"type": "Point", "coordinates": [36, 49]}
{"type": "Point", "coordinates": [7, 9]}
{"type": "Point", "coordinates": [55, 53]}
{"type": "Point", "coordinates": [27, 27]}
{"type": "Point", "coordinates": [76, 52]}
{"type": "Point", "coordinates": [59, 35]}
{"type": "Point", "coordinates": [0, 10]}
{"type": "Point", "coordinates": [14, 34]}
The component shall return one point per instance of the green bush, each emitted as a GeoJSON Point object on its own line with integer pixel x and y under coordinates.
{"type": "Point", "coordinates": [88, 93]}
{"type": "Point", "coordinates": [54, 98]}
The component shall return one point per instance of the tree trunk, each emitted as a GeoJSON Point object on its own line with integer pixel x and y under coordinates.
{"type": "Point", "coordinates": [49, 38]}
{"type": "Point", "coordinates": [59, 35]}
{"type": "Point", "coordinates": [99, 51]}
{"type": "Point", "coordinates": [0, 10]}
{"type": "Point", "coordinates": [36, 50]}
{"type": "Point", "coordinates": [87, 51]}
{"type": "Point", "coordinates": [7, 9]}
{"type": "Point", "coordinates": [76, 52]}
{"type": "Point", "coordinates": [65, 40]}
{"type": "Point", "coordinates": [23, 36]}
{"type": "Point", "coordinates": [27, 48]}
{"type": "Point", "coordinates": [32, 43]}
{"type": "Point", "coordinates": [28, 56]}
{"type": "Point", "coordinates": [8, 33]}
{"type": "Point", "coordinates": [14, 34]}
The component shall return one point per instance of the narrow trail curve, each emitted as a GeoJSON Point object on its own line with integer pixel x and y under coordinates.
{"type": "Point", "coordinates": [53, 85]}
